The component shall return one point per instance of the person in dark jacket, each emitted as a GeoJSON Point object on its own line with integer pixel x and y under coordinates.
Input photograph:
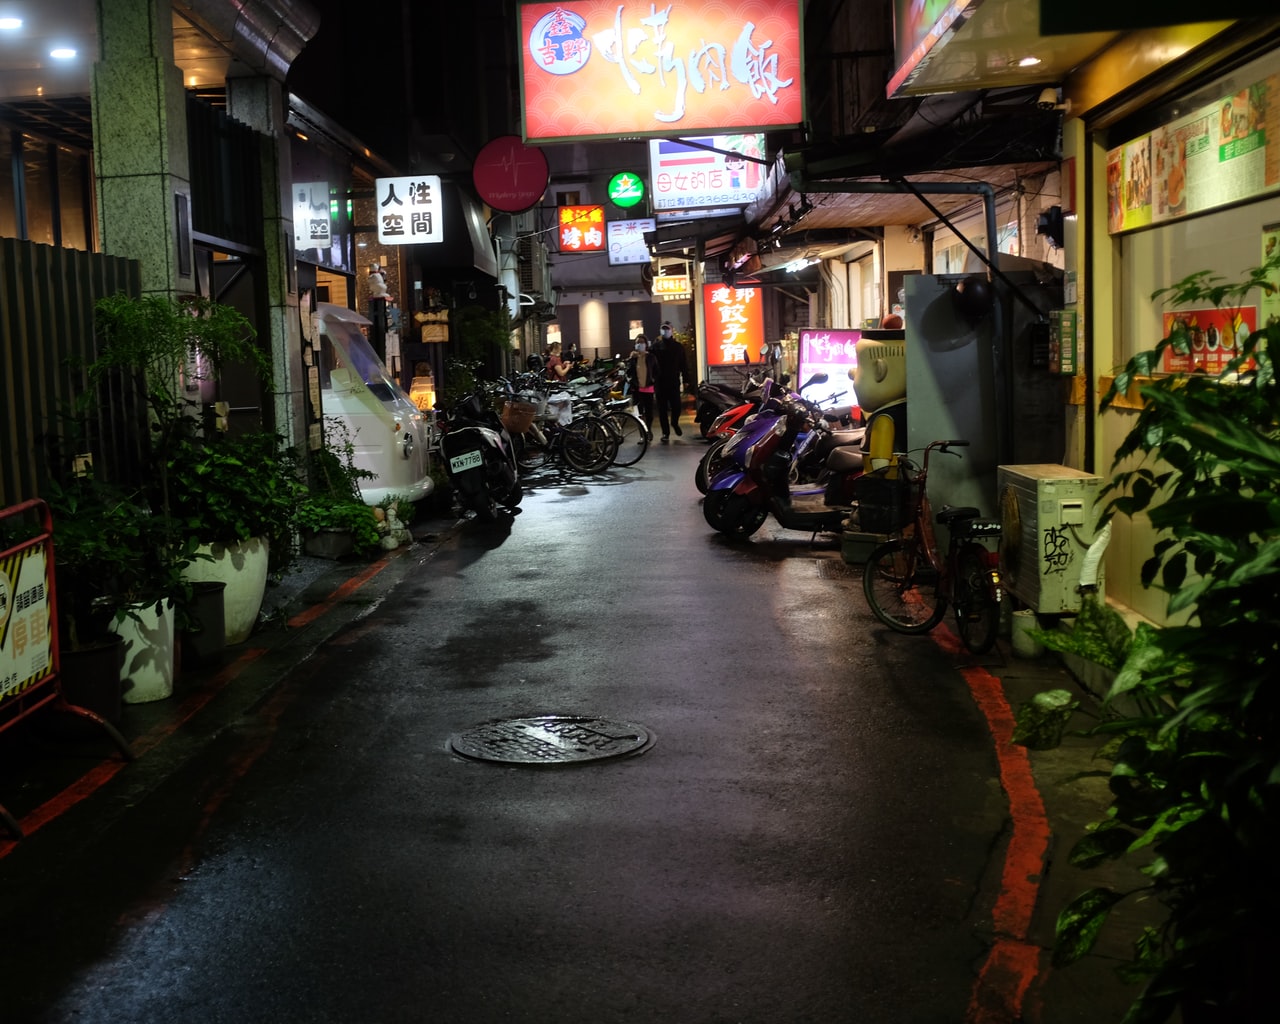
{"type": "Point", "coordinates": [672, 372]}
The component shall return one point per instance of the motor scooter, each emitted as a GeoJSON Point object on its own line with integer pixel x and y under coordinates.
{"type": "Point", "coordinates": [480, 458]}
{"type": "Point", "coordinates": [756, 479]}
{"type": "Point", "coordinates": [831, 429]}
{"type": "Point", "coordinates": [713, 398]}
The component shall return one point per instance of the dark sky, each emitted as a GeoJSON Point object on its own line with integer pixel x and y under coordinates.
{"type": "Point", "coordinates": [353, 70]}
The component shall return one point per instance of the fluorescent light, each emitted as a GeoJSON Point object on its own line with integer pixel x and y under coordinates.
{"type": "Point", "coordinates": [62, 53]}
{"type": "Point", "coordinates": [9, 24]}
{"type": "Point", "coordinates": [1028, 62]}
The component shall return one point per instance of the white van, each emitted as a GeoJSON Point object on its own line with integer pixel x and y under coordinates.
{"type": "Point", "coordinates": [388, 432]}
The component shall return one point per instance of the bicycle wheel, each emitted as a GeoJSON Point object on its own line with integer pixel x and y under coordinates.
{"type": "Point", "coordinates": [588, 445]}
{"type": "Point", "coordinates": [977, 611]}
{"type": "Point", "coordinates": [531, 455]}
{"type": "Point", "coordinates": [902, 588]}
{"type": "Point", "coordinates": [633, 439]}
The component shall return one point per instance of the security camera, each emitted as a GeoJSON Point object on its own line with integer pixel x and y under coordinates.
{"type": "Point", "coordinates": [1048, 99]}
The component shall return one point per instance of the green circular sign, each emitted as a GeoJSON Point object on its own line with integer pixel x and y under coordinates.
{"type": "Point", "coordinates": [626, 189]}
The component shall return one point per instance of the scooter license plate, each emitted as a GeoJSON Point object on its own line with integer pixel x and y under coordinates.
{"type": "Point", "coordinates": [467, 460]}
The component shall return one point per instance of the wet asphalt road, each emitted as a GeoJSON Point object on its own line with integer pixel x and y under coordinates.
{"type": "Point", "coordinates": [817, 833]}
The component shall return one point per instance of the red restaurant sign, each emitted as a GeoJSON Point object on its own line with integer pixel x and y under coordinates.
{"type": "Point", "coordinates": [581, 228]}
{"type": "Point", "coordinates": [610, 68]}
{"type": "Point", "coordinates": [735, 323]}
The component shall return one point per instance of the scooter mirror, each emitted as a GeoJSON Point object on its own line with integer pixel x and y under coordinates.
{"type": "Point", "coordinates": [818, 378]}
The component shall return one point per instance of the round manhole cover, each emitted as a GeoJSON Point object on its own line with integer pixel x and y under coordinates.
{"type": "Point", "coordinates": [551, 740]}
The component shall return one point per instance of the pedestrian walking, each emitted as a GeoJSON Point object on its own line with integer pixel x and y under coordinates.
{"type": "Point", "coordinates": [672, 372]}
{"type": "Point", "coordinates": [642, 372]}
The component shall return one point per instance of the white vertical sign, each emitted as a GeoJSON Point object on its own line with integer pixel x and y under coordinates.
{"type": "Point", "coordinates": [409, 210]}
{"type": "Point", "coordinates": [311, 229]}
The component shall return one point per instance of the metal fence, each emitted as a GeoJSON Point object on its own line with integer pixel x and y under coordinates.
{"type": "Point", "coordinates": [47, 295]}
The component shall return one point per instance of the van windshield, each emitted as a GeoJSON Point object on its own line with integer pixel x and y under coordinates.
{"type": "Point", "coordinates": [343, 347]}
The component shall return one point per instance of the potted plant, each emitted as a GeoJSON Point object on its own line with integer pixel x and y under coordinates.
{"type": "Point", "coordinates": [237, 498]}
{"type": "Point", "coordinates": [1196, 743]}
{"type": "Point", "coordinates": [114, 569]}
{"type": "Point", "coordinates": [333, 518]}
{"type": "Point", "coordinates": [232, 497]}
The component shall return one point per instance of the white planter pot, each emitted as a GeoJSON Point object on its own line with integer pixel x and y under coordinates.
{"type": "Point", "coordinates": [148, 642]}
{"type": "Point", "coordinates": [243, 568]}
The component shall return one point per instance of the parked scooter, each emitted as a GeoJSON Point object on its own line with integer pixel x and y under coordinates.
{"type": "Point", "coordinates": [713, 399]}
{"type": "Point", "coordinates": [480, 457]}
{"type": "Point", "coordinates": [832, 429]}
{"type": "Point", "coordinates": [756, 482]}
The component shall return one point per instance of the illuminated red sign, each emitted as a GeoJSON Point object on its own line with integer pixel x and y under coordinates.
{"type": "Point", "coordinates": [735, 323]}
{"type": "Point", "coordinates": [609, 68]}
{"type": "Point", "coordinates": [581, 228]}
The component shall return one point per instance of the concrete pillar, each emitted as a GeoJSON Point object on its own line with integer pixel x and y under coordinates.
{"type": "Point", "coordinates": [140, 143]}
{"type": "Point", "coordinates": [260, 103]}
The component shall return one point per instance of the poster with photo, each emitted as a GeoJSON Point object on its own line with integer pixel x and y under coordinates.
{"type": "Point", "coordinates": [1213, 334]}
{"type": "Point", "coordinates": [1215, 155]}
{"type": "Point", "coordinates": [1270, 311]}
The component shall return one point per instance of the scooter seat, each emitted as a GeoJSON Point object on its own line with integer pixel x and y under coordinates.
{"type": "Point", "coordinates": [845, 460]}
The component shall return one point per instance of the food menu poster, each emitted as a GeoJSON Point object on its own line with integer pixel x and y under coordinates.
{"type": "Point", "coordinates": [1270, 313]}
{"type": "Point", "coordinates": [1211, 157]}
{"type": "Point", "coordinates": [735, 323]}
{"type": "Point", "coordinates": [1214, 337]}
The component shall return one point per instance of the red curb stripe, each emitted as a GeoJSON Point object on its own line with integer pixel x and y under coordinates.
{"type": "Point", "coordinates": [1012, 963]}
{"type": "Point", "coordinates": [303, 618]}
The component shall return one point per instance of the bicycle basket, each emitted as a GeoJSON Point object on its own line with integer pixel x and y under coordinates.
{"type": "Point", "coordinates": [518, 416]}
{"type": "Point", "coordinates": [884, 502]}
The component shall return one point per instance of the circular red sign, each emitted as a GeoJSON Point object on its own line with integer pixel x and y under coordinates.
{"type": "Point", "coordinates": [510, 176]}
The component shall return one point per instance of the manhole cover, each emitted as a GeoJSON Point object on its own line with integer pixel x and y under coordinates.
{"type": "Point", "coordinates": [551, 740]}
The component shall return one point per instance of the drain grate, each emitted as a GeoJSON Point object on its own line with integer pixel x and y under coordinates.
{"type": "Point", "coordinates": [551, 740]}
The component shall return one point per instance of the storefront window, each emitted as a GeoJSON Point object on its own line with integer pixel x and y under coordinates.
{"type": "Point", "coordinates": [39, 188]}
{"type": "Point", "coordinates": [74, 201]}
{"type": "Point", "coordinates": [8, 209]}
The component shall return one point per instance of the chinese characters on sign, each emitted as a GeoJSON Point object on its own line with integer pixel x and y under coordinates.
{"type": "Point", "coordinates": [604, 68]}
{"type": "Point", "coordinates": [1212, 336]}
{"type": "Point", "coordinates": [1218, 154]}
{"type": "Point", "coordinates": [686, 176]}
{"type": "Point", "coordinates": [26, 652]}
{"type": "Point", "coordinates": [409, 210]}
{"type": "Point", "coordinates": [735, 323]}
{"type": "Point", "coordinates": [311, 228]}
{"type": "Point", "coordinates": [834, 353]}
{"type": "Point", "coordinates": [626, 241]}
{"type": "Point", "coordinates": [672, 287]}
{"type": "Point", "coordinates": [581, 228]}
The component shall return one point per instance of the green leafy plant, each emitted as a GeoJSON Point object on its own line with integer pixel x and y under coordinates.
{"type": "Point", "coordinates": [325, 512]}
{"type": "Point", "coordinates": [1195, 781]}
{"type": "Point", "coordinates": [110, 554]}
{"type": "Point", "coordinates": [227, 490]}
{"type": "Point", "coordinates": [205, 486]}
{"type": "Point", "coordinates": [333, 501]}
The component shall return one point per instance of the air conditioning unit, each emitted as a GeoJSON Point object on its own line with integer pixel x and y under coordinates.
{"type": "Point", "coordinates": [1048, 515]}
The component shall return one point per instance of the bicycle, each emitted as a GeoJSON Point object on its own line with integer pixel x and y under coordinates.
{"type": "Point", "coordinates": [584, 443]}
{"type": "Point", "coordinates": [909, 584]}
